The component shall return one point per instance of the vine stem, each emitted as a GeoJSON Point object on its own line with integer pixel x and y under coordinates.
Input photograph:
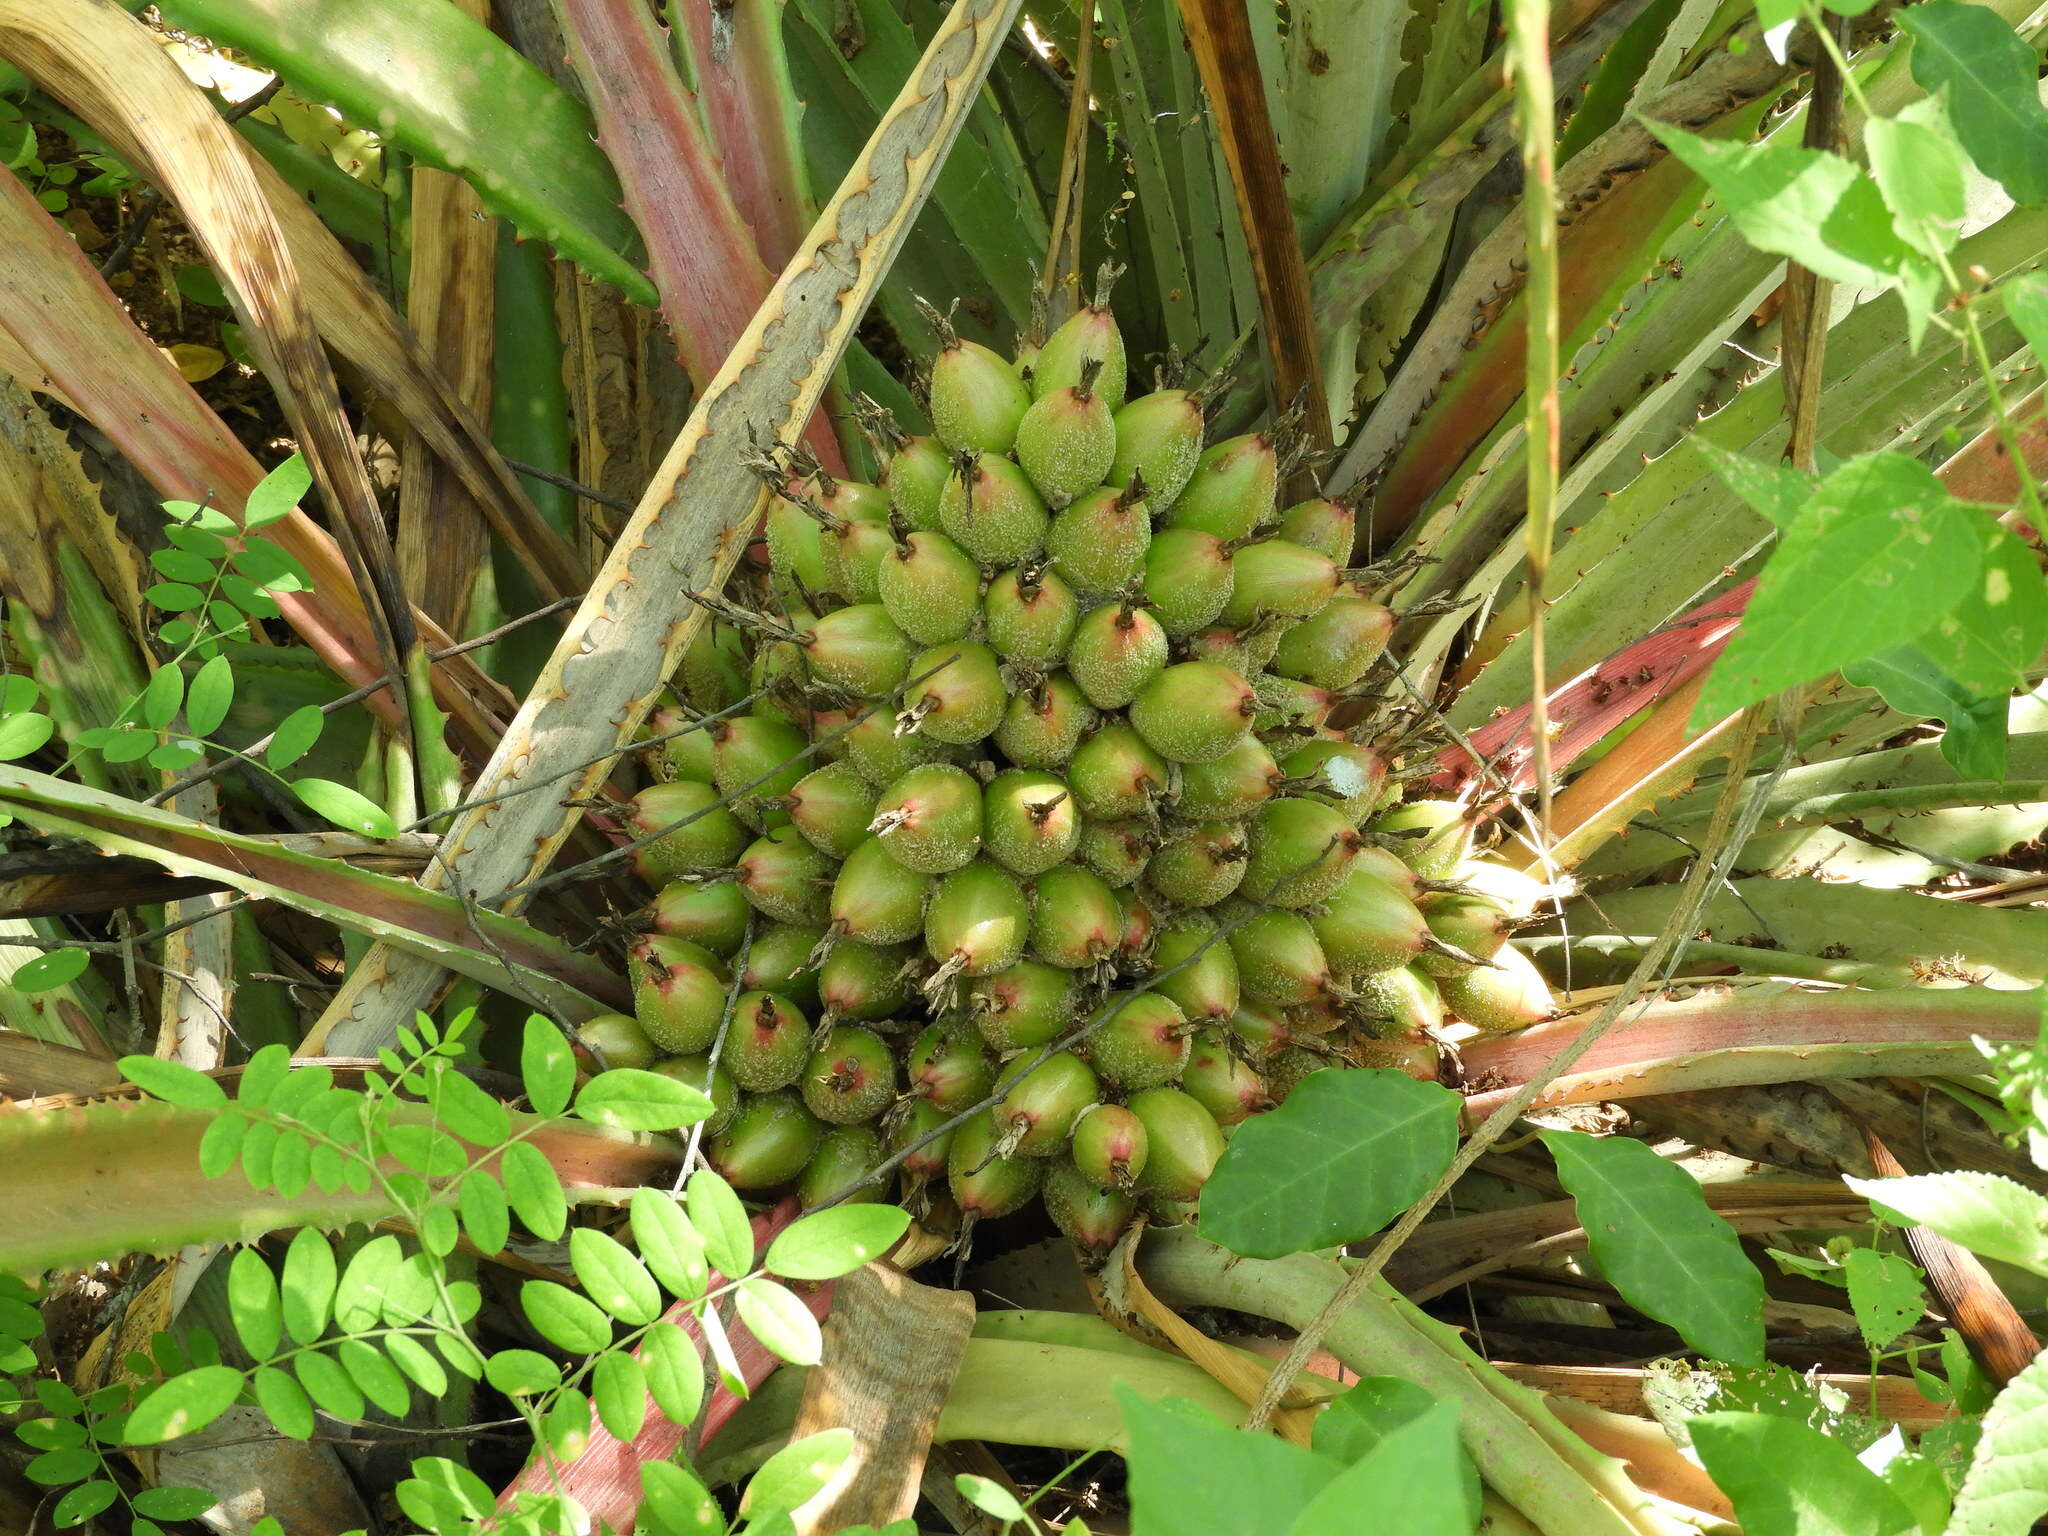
{"type": "Point", "coordinates": [1705, 876]}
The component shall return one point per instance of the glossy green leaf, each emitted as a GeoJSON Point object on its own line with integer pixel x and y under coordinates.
{"type": "Point", "coordinates": [827, 1244]}
{"type": "Point", "coordinates": [1987, 1214]}
{"type": "Point", "coordinates": [425, 1150]}
{"type": "Point", "coordinates": [673, 1370]}
{"type": "Point", "coordinates": [796, 1472]}
{"type": "Point", "coordinates": [23, 734]}
{"type": "Point", "coordinates": [781, 1322]}
{"type": "Point", "coordinates": [715, 1211]}
{"type": "Point", "coordinates": [80, 1504]}
{"type": "Point", "coordinates": [278, 493]}
{"type": "Point", "coordinates": [211, 693]}
{"type": "Point", "coordinates": [618, 1390]}
{"type": "Point", "coordinates": [534, 1190]}
{"type": "Point", "coordinates": [1345, 1154]}
{"type": "Point", "coordinates": [1193, 1475]}
{"type": "Point", "coordinates": [283, 1402]}
{"type": "Point", "coordinates": [173, 1082]}
{"type": "Point", "coordinates": [677, 1503]}
{"type": "Point", "coordinates": [1658, 1243]}
{"type": "Point", "coordinates": [612, 1277]}
{"type": "Point", "coordinates": [50, 1434]}
{"type": "Point", "coordinates": [1787, 1480]}
{"type": "Point", "coordinates": [1988, 78]}
{"type": "Point", "coordinates": [526, 1372]}
{"type": "Point", "coordinates": [345, 807]}
{"type": "Point", "coordinates": [566, 1429]}
{"type": "Point", "coordinates": [566, 1320]}
{"type": "Point", "coordinates": [486, 1217]}
{"type": "Point", "coordinates": [253, 1302]}
{"type": "Point", "coordinates": [182, 565]}
{"type": "Point", "coordinates": [308, 1288]}
{"type": "Point", "coordinates": [1988, 640]}
{"type": "Point", "coordinates": [47, 972]}
{"type": "Point", "coordinates": [547, 1068]}
{"type": "Point", "coordinates": [295, 735]}
{"type": "Point", "coordinates": [263, 1077]}
{"type": "Point", "coordinates": [1414, 1481]}
{"type": "Point", "coordinates": [632, 1100]}
{"type": "Point", "coordinates": [669, 1246]}
{"type": "Point", "coordinates": [185, 1404]}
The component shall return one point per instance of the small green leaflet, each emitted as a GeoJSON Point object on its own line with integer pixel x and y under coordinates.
{"type": "Point", "coordinates": [796, 1472]}
{"type": "Point", "coordinates": [1988, 76]}
{"type": "Point", "coordinates": [208, 698]}
{"type": "Point", "coordinates": [1787, 1480]}
{"type": "Point", "coordinates": [632, 1100]}
{"type": "Point", "coordinates": [278, 492]}
{"type": "Point", "coordinates": [827, 1244]}
{"type": "Point", "coordinates": [47, 972]}
{"type": "Point", "coordinates": [23, 734]}
{"type": "Point", "coordinates": [344, 807]}
{"type": "Point", "coordinates": [1655, 1239]}
{"type": "Point", "coordinates": [779, 1320]}
{"type": "Point", "coordinates": [184, 1405]}
{"type": "Point", "coordinates": [1344, 1155]}
{"type": "Point", "coordinates": [295, 736]}
{"type": "Point", "coordinates": [1987, 1214]}
{"type": "Point", "coordinates": [546, 1067]}
{"type": "Point", "coordinates": [989, 1496]}
{"type": "Point", "coordinates": [1922, 173]}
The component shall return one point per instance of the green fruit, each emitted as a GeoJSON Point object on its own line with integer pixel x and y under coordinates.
{"type": "Point", "coordinates": [855, 550]}
{"type": "Point", "coordinates": [1140, 923]}
{"type": "Point", "coordinates": [1040, 1104]}
{"type": "Point", "coordinates": [882, 756]}
{"type": "Point", "coordinates": [779, 961]}
{"type": "Point", "coordinates": [1029, 821]}
{"type": "Point", "coordinates": [1067, 441]}
{"type": "Point", "coordinates": [1279, 959]}
{"type": "Point", "coordinates": [1159, 438]}
{"type": "Point", "coordinates": [1415, 1055]}
{"type": "Point", "coordinates": [978, 921]}
{"type": "Point", "coordinates": [1339, 773]}
{"type": "Point", "coordinates": [714, 669]}
{"type": "Point", "coordinates": [678, 993]}
{"type": "Point", "coordinates": [1099, 543]}
{"type": "Point", "coordinates": [976, 400]}
{"type": "Point", "coordinates": [768, 1042]}
{"type": "Point", "coordinates": [1044, 723]}
{"type": "Point", "coordinates": [1223, 1084]}
{"type": "Point", "coordinates": [1287, 1068]}
{"type": "Point", "coordinates": [713, 915]}
{"type": "Point", "coordinates": [1110, 1146]}
{"type": "Point", "coordinates": [831, 807]}
{"type": "Point", "coordinates": [947, 1066]}
{"type": "Point", "coordinates": [1259, 1029]}
{"type": "Point", "coordinates": [913, 478]}
{"type": "Point", "coordinates": [1399, 1002]}
{"type": "Point", "coordinates": [1028, 615]}
{"type": "Point", "coordinates": [1230, 491]}
{"type": "Point", "coordinates": [1301, 852]}
{"type": "Point", "coordinates": [1434, 836]}
{"type": "Point", "coordinates": [875, 899]}
{"type": "Point", "coordinates": [755, 760]}
{"type": "Point", "coordinates": [1091, 1217]}
{"type": "Point", "coordinates": [851, 1077]}
{"type": "Point", "coordinates": [1024, 1006]}
{"type": "Point", "coordinates": [1245, 651]}
{"type": "Point", "coordinates": [1337, 646]}
{"type": "Point", "coordinates": [1328, 527]}
{"type": "Point", "coordinates": [715, 1084]}
{"type": "Point", "coordinates": [860, 650]}
{"type": "Point", "coordinates": [1116, 650]}
{"type": "Point", "coordinates": [846, 1153]}
{"type": "Point", "coordinates": [1230, 787]}
{"type": "Point", "coordinates": [986, 1185]}
{"type": "Point", "coordinates": [1199, 866]}
{"type": "Point", "coordinates": [785, 878]}
{"type": "Point", "coordinates": [1144, 1042]}
{"type": "Point", "coordinates": [1194, 968]}
{"type": "Point", "coordinates": [1116, 850]}
{"type": "Point", "coordinates": [1194, 712]}
{"type": "Point", "coordinates": [1275, 576]}
{"type": "Point", "coordinates": [931, 588]}
{"type": "Point", "coordinates": [770, 1139]}
{"type": "Point", "coordinates": [1189, 576]}
{"type": "Point", "coordinates": [1366, 926]}
{"type": "Point", "coordinates": [696, 831]}
{"type": "Point", "coordinates": [1184, 1144]}
{"type": "Point", "coordinates": [616, 1040]}
{"type": "Point", "coordinates": [1390, 868]}
{"type": "Point", "coordinates": [1076, 921]}
{"type": "Point", "coordinates": [688, 755]}
{"type": "Point", "coordinates": [1115, 773]}
{"type": "Point", "coordinates": [912, 1121]}
{"type": "Point", "coordinates": [1510, 994]}
{"type": "Point", "coordinates": [1518, 892]}
{"type": "Point", "coordinates": [796, 546]}
{"type": "Point", "coordinates": [1088, 335]}
{"type": "Point", "coordinates": [865, 981]}
{"type": "Point", "coordinates": [1288, 708]}
{"type": "Point", "coordinates": [962, 697]}
{"type": "Point", "coordinates": [1472, 924]}
{"type": "Point", "coordinates": [930, 819]}
{"type": "Point", "coordinates": [992, 511]}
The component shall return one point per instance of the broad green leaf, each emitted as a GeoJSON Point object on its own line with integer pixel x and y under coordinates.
{"type": "Point", "coordinates": [830, 1243]}
{"type": "Point", "coordinates": [309, 1279]}
{"type": "Point", "coordinates": [1193, 1475]}
{"type": "Point", "coordinates": [174, 1503]}
{"type": "Point", "coordinates": [443, 1495]}
{"type": "Point", "coordinates": [534, 1190]}
{"type": "Point", "coordinates": [184, 1405]}
{"type": "Point", "coordinates": [295, 736]}
{"type": "Point", "coordinates": [677, 1502]}
{"type": "Point", "coordinates": [526, 1372]}
{"type": "Point", "coordinates": [1345, 1154]}
{"type": "Point", "coordinates": [796, 1472]}
{"type": "Point", "coordinates": [618, 1390]}
{"type": "Point", "coordinates": [612, 1277]}
{"type": "Point", "coordinates": [989, 1496]}
{"type": "Point", "coordinates": [2026, 305]}
{"type": "Point", "coordinates": [162, 696]}
{"type": "Point", "coordinates": [486, 1219]}
{"type": "Point", "coordinates": [1656, 1240]}
{"type": "Point", "coordinates": [57, 968]}
{"type": "Point", "coordinates": [345, 807]}
{"type": "Point", "coordinates": [1909, 680]}
{"type": "Point", "coordinates": [283, 1402]}
{"type": "Point", "coordinates": [278, 492]}
{"type": "Point", "coordinates": [173, 1082]}
{"type": "Point", "coordinates": [212, 691]}
{"type": "Point", "coordinates": [1359, 1418]}
{"type": "Point", "coordinates": [2005, 1489]}
{"type": "Point", "coordinates": [23, 734]}
{"type": "Point", "coordinates": [1990, 638]}
{"type": "Point", "coordinates": [1880, 526]}
{"type": "Point", "coordinates": [674, 1371]}
{"type": "Point", "coordinates": [632, 1100]}
{"type": "Point", "coordinates": [669, 1246]}
{"type": "Point", "coordinates": [359, 1298]}
{"type": "Point", "coordinates": [1775, 492]}
{"type": "Point", "coordinates": [1987, 1214]}
{"type": "Point", "coordinates": [546, 1066]}
{"type": "Point", "coordinates": [1414, 1482]}
{"type": "Point", "coordinates": [1921, 172]}
{"type": "Point", "coordinates": [1787, 1480]}
{"type": "Point", "coordinates": [253, 1302]}
{"type": "Point", "coordinates": [720, 1219]}
{"type": "Point", "coordinates": [1885, 1294]}
{"type": "Point", "coordinates": [371, 1369]}
{"type": "Point", "coordinates": [1989, 78]}
{"type": "Point", "coordinates": [566, 1320]}
{"type": "Point", "coordinates": [80, 1504]}
{"type": "Point", "coordinates": [780, 1321]}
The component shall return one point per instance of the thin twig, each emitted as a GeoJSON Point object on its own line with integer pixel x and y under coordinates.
{"type": "Point", "coordinates": [577, 487]}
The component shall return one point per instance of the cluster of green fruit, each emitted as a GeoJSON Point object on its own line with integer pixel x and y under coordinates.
{"type": "Point", "coordinates": [1065, 678]}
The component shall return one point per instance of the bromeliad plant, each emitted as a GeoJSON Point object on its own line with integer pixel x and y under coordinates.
{"type": "Point", "coordinates": [1492, 562]}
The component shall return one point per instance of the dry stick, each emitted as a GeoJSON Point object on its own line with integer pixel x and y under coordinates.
{"type": "Point", "coordinates": [1704, 874]}
{"type": "Point", "coordinates": [1061, 279]}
